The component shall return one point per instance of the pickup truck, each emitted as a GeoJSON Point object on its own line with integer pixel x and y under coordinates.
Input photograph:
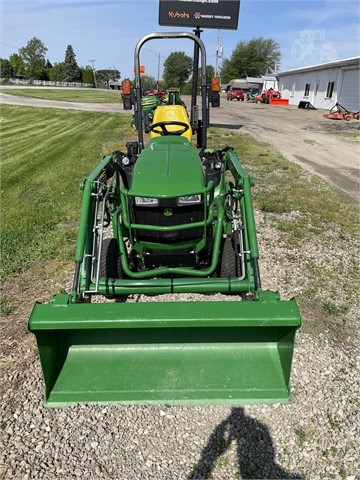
{"type": "Point", "coordinates": [235, 93]}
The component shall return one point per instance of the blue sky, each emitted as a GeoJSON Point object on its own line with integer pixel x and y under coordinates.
{"type": "Point", "coordinates": [107, 30]}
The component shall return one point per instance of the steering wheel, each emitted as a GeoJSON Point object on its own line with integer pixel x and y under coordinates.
{"type": "Point", "coordinates": [164, 131]}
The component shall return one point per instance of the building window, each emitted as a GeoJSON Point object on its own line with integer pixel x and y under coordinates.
{"type": "Point", "coordinates": [330, 89]}
{"type": "Point", "coordinates": [307, 89]}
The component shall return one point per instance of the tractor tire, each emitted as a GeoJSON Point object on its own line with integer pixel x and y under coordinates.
{"type": "Point", "coordinates": [229, 265]}
{"type": "Point", "coordinates": [110, 265]}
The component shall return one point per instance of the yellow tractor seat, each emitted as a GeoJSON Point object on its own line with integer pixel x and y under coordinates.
{"type": "Point", "coordinates": [168, 113]}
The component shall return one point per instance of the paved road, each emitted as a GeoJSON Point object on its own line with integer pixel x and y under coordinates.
{"type": "Point", "coordinates": [302, 136]}
{"type": "Point", "coordinates": [36, 102]}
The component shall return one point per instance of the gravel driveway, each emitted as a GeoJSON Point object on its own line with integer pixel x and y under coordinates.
{"type": "Point", "coordinates": [328, 148]}
{"type": "Point", "coordinates": [315, 437]}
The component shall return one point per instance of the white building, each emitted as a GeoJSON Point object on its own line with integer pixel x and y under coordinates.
{"type": "Point", "coordinates": [323, 85]}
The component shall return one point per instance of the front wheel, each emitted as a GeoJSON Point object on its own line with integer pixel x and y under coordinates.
{"type": "Point", "coordinates": [229, 262]}
{"type": "Point", "coordinates": [229, 259]}
{"type": "Point", "coordinates": [110, 264]}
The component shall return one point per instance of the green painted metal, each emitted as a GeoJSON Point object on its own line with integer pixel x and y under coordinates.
{"type": "Point", "coordinates": [175, 270]}
{"type": "Point", "coordinates": [164, 353]}
{"type": "Point", "coordinates": [160, 286]}
{"type": "Point", "coordinates": [162, 169]}
{"type": "Point", "coordinates": [245, 182]}
{"type": "Point", "coordinates": [87, 207]}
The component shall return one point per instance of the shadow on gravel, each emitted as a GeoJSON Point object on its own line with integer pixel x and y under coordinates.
{"type": "Point", "coordinates": [255, 451]}
{"type": "Point", "coordinates": [232, 126]}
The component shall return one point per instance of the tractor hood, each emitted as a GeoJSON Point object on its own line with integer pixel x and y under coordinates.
{"type": "Point", "coordinates": [168, 166]}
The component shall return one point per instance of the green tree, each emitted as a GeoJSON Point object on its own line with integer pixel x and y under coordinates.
{"type": "Point", "coordinates": [177, 69]}
{"type": "Point", "coordinates": [210, 72]}
{"type": "Point", "coordinates": [6, 70]}
{"type": "Point", "coordinates": [87, 75]}
{"type": "Point", "coordinates": [33, 56]}
{"type": "Point", "coordinates": [147, 81]}
{"type": "Point", "coordinates": [71, 69]}
{"type": "Point", "coordinates": [103, 77]}
{"type": "Point", "coordinates": [17, 64]}
{"type": "Point", "coordinates": [253, 58]}
{"type": "Point", "coordinates": [57, 72]}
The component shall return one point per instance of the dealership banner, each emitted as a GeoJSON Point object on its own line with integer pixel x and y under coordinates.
{"type": "Point", "coordinates": [223, 14]}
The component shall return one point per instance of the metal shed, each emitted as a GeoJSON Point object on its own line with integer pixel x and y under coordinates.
{"type": "Point", "coordinates": [323, 85]}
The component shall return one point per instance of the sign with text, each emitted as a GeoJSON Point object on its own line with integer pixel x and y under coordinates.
{"type": "Point", "coordinates": [223, 14]}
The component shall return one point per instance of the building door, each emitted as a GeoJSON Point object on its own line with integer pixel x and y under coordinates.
{"type": "Point", "coordinates": [349, 95]}
{"type": "Point", "coordinates": [315, 92]}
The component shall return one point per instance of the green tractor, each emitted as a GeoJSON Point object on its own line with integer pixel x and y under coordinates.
{"type": "Point", "coordinates": [149, 103]}
{"type": "Point", "coordinates": [167, 217]}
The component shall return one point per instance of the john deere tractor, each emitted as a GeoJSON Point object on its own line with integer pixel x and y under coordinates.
{"type": "Point", "coordinates": [149, 104]}
{"type": "Point", "coordinates": [167, 215]}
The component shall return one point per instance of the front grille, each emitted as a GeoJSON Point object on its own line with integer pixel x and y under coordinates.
{"type": "Point", "coordinates": [180, 215]}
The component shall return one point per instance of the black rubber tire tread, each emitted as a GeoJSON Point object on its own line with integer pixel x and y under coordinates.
{"type": "Point", "coordinates": [228, 266]}
{"type": "Point", "coordinates": [110, 265]}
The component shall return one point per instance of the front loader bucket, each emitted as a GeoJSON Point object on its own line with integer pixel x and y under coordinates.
{"type": "Point", "coordinates": [166, 353]}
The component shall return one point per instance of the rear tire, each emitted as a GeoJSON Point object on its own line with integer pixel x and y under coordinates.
{"type": "Point", "coordinates": [110, 264]}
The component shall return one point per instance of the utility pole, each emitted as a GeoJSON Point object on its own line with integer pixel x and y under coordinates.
{"type": "Point", "coordinates": [218, 50]}
{"type": "Point", "coordinates": [158, 79]}
{"type": "Point", "coordinates": [158, 66]}
{"type": "Point", "coordinates": [93, 69]}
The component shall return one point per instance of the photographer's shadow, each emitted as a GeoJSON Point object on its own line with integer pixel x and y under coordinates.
{"type": "Point", "coordinates": [255, 451]}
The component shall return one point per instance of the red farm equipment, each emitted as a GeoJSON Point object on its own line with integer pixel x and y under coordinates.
{"type": "Point", "coordinates": [272, 97]}
{"type": "Point", "coordinates": [338, 112]}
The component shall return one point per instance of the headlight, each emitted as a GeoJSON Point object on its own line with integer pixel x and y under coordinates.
{"type": "Point", "coordinates": [146, 201]}
{"type": "Point", "coordinates": [189, 199]}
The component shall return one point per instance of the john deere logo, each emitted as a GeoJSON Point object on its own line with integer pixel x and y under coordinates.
{"type": "Point", "coordinates": [168, 212]}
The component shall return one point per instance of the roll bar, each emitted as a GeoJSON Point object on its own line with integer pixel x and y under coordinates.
{"type": "Point", "coordinates": [204, 102]}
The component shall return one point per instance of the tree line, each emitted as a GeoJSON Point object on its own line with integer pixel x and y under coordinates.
{"type": "Point", "coordinates": [252, 58]}
{"type": "Point", "coordinates": [30, 63]}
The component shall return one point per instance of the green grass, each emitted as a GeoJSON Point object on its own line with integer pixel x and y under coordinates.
{"type": "Point", "coordinates": [45, 154]}
{"type": "Point", "coordinates": [88, 95]}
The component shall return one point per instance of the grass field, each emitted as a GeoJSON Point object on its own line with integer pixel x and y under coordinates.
{"type": "Point", "coordinates": [89, 95]}
{"type": "Point", "coordinates": [46, 153]}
